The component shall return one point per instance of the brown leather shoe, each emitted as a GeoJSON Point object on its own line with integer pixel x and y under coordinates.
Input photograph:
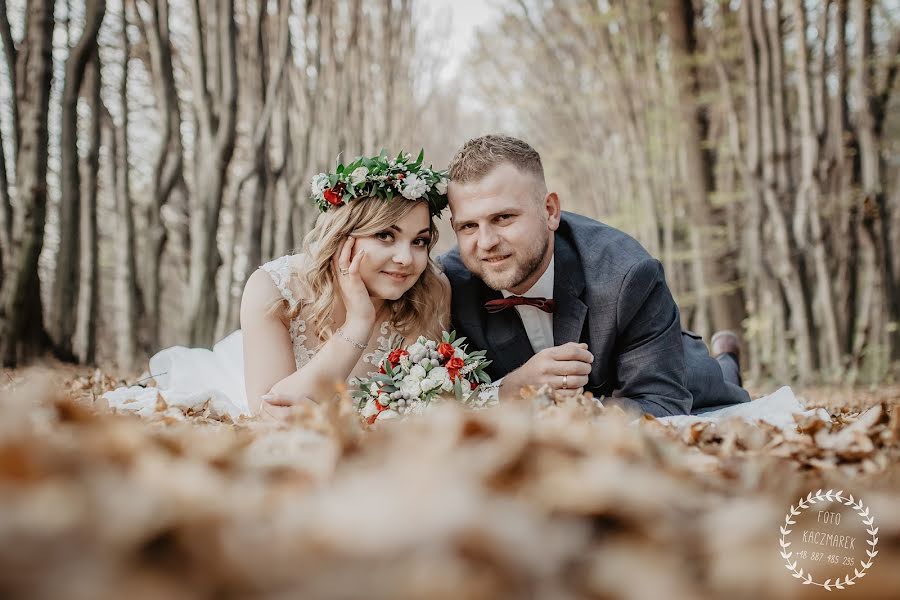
{"type": "Point", "coordinates": [725, 341]}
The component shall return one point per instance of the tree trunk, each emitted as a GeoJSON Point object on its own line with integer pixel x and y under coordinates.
{"type": "Point", "coordinates": [89, 284]}
{"type": "Point", "coordinates": [127, 288]}
{"type": "Point", "coordinates": [726, 303]}
{"type": "Point", "coordinates": [65, 287]}
{"type": "Point", "coordinates": [168, 164]}
{"type": "Point", "coordinates": [216, 114]}
{"type": "Point", "coordinates": [809, 194]}
{"type": "Point", "coordinates": [22, 334]}
{"type": "Point", "coordinates": [784, 268]}
{"type": "Point", "coordinates": [868, 123]}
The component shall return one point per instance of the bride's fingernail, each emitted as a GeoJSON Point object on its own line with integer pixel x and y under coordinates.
{"type": "Point", "coordinates": [267, 397]}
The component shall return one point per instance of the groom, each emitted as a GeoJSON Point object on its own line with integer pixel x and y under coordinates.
{"type": "Point", "coordinates": [562, 300]}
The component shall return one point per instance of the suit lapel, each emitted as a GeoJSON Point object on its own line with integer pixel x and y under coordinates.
{"type": "Point", "coordinates": [568, 285]}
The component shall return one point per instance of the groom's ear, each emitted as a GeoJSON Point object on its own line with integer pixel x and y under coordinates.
{"type": "Point", "coordinates": [551, 205]}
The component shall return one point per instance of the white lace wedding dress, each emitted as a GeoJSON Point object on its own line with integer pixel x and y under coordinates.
{"type": "Point", "coordinates": [187, 378]}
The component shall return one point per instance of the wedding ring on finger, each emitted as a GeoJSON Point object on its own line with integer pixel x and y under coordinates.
{"type": "Point", "coordinates": [565, 382]}
{"type": "Point", "coordinates": [345, 271]}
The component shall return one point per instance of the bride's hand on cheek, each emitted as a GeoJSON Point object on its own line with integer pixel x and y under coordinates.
{"type": "Point", "coordinates": [360, 310]}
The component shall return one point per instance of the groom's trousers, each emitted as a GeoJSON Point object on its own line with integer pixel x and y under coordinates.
{"type": "Point", "coordinates": [731, 368]}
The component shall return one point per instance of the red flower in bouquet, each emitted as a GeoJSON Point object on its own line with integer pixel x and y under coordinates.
{"type": "Point", "coordinates": [335, 195]}
{"type": "Point", "coordinates": [445, 350]}
{"type": "Point", "coordinates": [379, 406]}
{"type": "Point", "coordinates": [453, 367]}
{"type": "Point", "coordinates": [395, 356]}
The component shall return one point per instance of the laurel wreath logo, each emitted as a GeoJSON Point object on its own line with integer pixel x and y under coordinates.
{"type": "Point", "coordinates": [867, 520]}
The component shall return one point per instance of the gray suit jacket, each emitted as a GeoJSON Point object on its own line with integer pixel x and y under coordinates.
{"type": "Point", "coordinates": [611, 294]}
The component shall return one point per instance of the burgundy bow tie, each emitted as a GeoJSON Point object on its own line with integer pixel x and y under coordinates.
{"type": "Point", "coordinates": [545, 304]}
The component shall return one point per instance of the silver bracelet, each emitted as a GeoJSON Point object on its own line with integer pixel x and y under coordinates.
{"type": "Point", "coordinates": [340, 333]}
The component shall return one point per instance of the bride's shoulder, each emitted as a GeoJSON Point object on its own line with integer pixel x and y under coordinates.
{"type": "Point", "coordinates": [286, 274]}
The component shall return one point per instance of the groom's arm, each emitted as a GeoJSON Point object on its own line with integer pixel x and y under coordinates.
{"type": "Point", "coordinates": [650, 355]}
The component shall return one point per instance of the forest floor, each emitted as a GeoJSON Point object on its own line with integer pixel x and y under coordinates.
{"type": "Point", "coordinates": [545, 499]}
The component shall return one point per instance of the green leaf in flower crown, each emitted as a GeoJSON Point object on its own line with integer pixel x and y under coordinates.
{"type": "Point", "coordinates": [418, 161]}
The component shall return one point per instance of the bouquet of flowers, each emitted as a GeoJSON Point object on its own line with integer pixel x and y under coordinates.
{"type": "Point", "coordinates": [426, 372]}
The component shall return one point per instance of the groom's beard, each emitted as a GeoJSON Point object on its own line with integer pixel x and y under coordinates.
{"type": "Point", "coordinates": [524, 267]}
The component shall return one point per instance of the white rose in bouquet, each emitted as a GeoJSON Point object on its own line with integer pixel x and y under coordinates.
{"type": "Point", "coordinates": [442, 376]}
{"type": "Point", "coordinates": [388, 414]}
{"type": "Point", "coordinates": [429, 384]}
{"type": "Point", "coordinates": [417, 371]}
{"type": "Point", "coordinates": [369, 409]}
{"type": "Point", "coordinates": [410, 386]}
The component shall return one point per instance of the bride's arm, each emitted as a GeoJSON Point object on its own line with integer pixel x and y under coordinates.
{"type": "Point", "coordinates": [268, 353]}
{"type": "Point", "coordinates": [268, 356]}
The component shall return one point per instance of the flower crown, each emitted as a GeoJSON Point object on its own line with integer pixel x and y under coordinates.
{"type": "Point", "coordinates": [384, 178]}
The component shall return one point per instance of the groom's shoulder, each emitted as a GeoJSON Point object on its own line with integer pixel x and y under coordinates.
{"type": "Point", "coordinates": [600, 241]}
{"type": "Point", "coordinates": [453, 267]}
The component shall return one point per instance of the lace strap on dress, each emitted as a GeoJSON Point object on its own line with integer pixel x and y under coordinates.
{"type": "Point", "coordinates": [280, 271]}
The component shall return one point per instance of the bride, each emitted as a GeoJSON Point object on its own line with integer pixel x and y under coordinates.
{"type": "Point", "coordinates": [363, 282]}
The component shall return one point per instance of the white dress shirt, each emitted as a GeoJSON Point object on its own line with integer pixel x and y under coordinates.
{"type": "Point", "coordinates": [538, 324]}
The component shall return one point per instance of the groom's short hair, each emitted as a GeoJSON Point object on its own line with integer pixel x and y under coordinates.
{"type": "Point", "coordinates": [480, 155]}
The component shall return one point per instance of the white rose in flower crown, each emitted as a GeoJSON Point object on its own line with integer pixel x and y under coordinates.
{"type": "Point", "coordinates": [319, 183]}
{"type": "Point", "coordinates": [358, 175]}
{"type": "Point", "coordinates": [413, 187]}
{"type": "Point", "coordinates": [418, 371]}
{"type": "Point", "coordinates": [441, 186]}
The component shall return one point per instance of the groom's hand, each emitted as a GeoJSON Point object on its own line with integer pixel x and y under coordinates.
{"type": "Point", "coordinates": [560, 367]}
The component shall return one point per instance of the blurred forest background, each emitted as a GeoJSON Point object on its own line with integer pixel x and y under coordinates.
{"type": "Point", "coordinates": [155, 152]}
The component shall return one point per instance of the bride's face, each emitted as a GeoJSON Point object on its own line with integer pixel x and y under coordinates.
{"type": "Point", "coordinates": [396, 256]}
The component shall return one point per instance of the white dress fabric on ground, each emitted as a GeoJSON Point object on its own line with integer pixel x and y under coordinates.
{"type": "Point", "coordinates": [777, 409]}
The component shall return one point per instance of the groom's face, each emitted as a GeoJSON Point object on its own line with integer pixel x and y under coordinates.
{"type": "Point", "coordinates": [504, 224]}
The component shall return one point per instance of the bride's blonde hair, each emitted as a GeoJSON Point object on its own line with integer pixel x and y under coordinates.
{"type": "Point", "coordinates": [421, 309]}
